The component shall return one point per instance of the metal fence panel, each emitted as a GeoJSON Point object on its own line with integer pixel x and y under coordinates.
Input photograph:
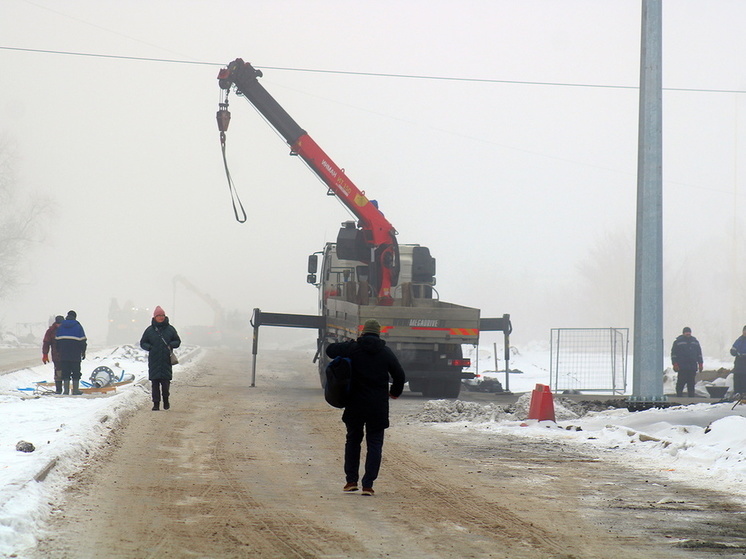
{"type": "Point", "coordinates": [589, 359]}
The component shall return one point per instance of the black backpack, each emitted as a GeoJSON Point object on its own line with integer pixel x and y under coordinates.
{"type": "Point", "coordinates": [338, 378]}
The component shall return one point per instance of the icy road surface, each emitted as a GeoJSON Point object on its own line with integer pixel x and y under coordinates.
{"type": "Point", "coordinates": [233, 471]}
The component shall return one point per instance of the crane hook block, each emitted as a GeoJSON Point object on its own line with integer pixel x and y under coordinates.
{"type": "Point", "coordinates": [224, 117]}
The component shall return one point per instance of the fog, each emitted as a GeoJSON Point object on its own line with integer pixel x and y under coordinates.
{"type": "Point", "coordinates": [522, 181]}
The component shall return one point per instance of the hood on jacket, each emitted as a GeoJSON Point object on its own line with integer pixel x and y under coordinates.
{"type": "Point", "coordinates": [371, 343]}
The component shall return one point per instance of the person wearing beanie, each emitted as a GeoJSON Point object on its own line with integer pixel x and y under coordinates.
{"type": "Point", "coordinates": [367, 412]}
{"type": "Point", "coordinates": [48, 344]}
{"type": "Point", "coordinates": [159, 340]}
{"type": "Point", "coordinates": [71, 344]}
{"type": "Point", "coordinates": [371, 327]}
{"type": "Point", "coordinates": [686, 358]}
{"type": "Point", "coordinates": [739, 366]}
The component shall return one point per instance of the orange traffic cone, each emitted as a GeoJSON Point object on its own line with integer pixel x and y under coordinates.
{"type": "Point", "coordinates": [542, 404]}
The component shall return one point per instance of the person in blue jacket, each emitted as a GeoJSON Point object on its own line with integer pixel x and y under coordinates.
{"type": "Point", "coordinates": [71, 344]}
{"type": "Point", "coordinates": [367, 411]}
{"type": "Point", "coordinates": [159, 340]}
{"type": "Point", "coordinates": [739, 366]}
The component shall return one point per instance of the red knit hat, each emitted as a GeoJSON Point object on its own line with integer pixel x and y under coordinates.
{"type": "Point", "coordinates": [158, 310]}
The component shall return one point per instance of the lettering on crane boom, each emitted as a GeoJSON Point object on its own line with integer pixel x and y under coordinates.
{"type": "Point", "coordinates": [419, 322]}
{"type": "Point", "coordinates": [329, 168]}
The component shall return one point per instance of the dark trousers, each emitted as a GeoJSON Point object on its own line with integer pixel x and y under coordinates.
{"type": "Point", "coordinates": [374, 441]}
{"type": "Point", "coordinates": [160, 387]}
{"type": "Point", "coordinates": [70, 369]}
{"type": "Point", "coordinates": [739, 375]}
{"type": "Point", "coordinates": [739, 383]}
{"type": "Point", "coordinates": [685, 378]}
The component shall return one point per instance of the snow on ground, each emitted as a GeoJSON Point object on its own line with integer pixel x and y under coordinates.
{"type": "Point", "coordinates": [702, 444]}
{"type": "Point", "coordinates": [698, 444]}
{"type": "Point", "coordinates": [63, 430]}
{"type": "Point", "coordinates": [530, 365]}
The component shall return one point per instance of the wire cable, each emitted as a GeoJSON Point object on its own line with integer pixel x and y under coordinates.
{"type": "Point", "coordinates": [369, 74]}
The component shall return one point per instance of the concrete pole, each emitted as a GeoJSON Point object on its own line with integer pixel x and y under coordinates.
{"type": "Point", "coordinates": [647, 369]}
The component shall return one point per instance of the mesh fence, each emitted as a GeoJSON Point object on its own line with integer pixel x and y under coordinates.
{"type": "Point", "coordinates": [589, 359]}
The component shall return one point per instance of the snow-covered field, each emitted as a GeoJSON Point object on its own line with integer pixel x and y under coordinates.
{"type": "Point", "coordinates": [699, 444]}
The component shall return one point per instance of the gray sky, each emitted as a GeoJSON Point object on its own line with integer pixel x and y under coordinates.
{"type": "Point", "coordinates": [512, 185]}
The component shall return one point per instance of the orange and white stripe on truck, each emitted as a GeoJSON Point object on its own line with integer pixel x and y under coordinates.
{"type": "Point", "coordinates": [451, 331]}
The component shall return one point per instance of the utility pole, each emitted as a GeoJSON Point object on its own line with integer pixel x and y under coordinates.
{"type": "Point", "coordinates": [647, 369]}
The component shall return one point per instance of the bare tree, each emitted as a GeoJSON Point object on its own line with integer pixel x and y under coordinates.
{"type": "Point", "coordinates": [20, 222]}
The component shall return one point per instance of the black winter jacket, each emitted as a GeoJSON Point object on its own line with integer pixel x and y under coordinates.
{"type": "Point", "coordinates": [687, 353]}
{"type": "Point", "coordinates": [372, 363]}
{"type": "Point", "coordinates": [158, 340]}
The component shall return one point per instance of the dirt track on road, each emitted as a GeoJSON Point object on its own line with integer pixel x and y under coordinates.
{"type": "Point", "coordinates": [233, 471]}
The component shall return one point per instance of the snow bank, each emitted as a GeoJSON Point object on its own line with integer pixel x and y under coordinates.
{"type": "Point", "coordinates": [702, 444]}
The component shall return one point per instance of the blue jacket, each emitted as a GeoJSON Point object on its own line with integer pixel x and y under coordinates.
{"type": "Point", "coordinates": [739, 347]}
{"type": "Point", "coordinates": [70, 341]}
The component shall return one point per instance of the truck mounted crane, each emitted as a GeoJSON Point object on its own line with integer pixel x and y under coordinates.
{"type": "Point", "coordinates": [367, 273]}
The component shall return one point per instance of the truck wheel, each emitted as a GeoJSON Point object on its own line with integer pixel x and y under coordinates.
{"type": "Point", "coordinates": [323, 362]}
{"type": "Point", "coordinates": [417, 386]}
{"type": "Point", "coordinates": [431, 388]}
{"type": "Point", "coordinates": [451, 388]}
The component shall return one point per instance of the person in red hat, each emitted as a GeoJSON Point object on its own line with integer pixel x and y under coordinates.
{"type": "Point", "coordinates": [159, 340]}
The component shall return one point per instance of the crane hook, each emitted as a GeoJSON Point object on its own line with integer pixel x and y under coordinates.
{"type": "Point", "coordinates": [223, 117]}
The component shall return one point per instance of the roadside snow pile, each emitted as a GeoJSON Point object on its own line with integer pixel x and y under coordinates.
{"type": "Point", "coordinates": [451, 411]}
{"type": "Point", "coordinates": [133, 353]}
{"type": "Point", "coordinates": [10, 340]}
{"type": "Point", "coordinates": [561, 412]}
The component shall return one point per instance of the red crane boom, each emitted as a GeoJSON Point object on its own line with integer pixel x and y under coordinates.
{"type": "Point", "coordinates": [375, 234]}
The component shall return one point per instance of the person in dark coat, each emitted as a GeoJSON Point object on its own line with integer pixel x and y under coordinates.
{"type": "Point", "coordinates": [686, 357]}
{"type": "Point", "coordinates": [367, 411]}
{"type": "Point", "coordinates": [49, 345]}
{"type": "Point", "coordinates": [159, 340]}
{"type": "Point", "coordinates": [71, 344]}
{"type": "Point", "coordinates": [739, 366]}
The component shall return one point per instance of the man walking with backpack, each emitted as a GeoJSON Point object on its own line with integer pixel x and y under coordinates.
{"type": "Point", "coordinates": [367, 411]}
